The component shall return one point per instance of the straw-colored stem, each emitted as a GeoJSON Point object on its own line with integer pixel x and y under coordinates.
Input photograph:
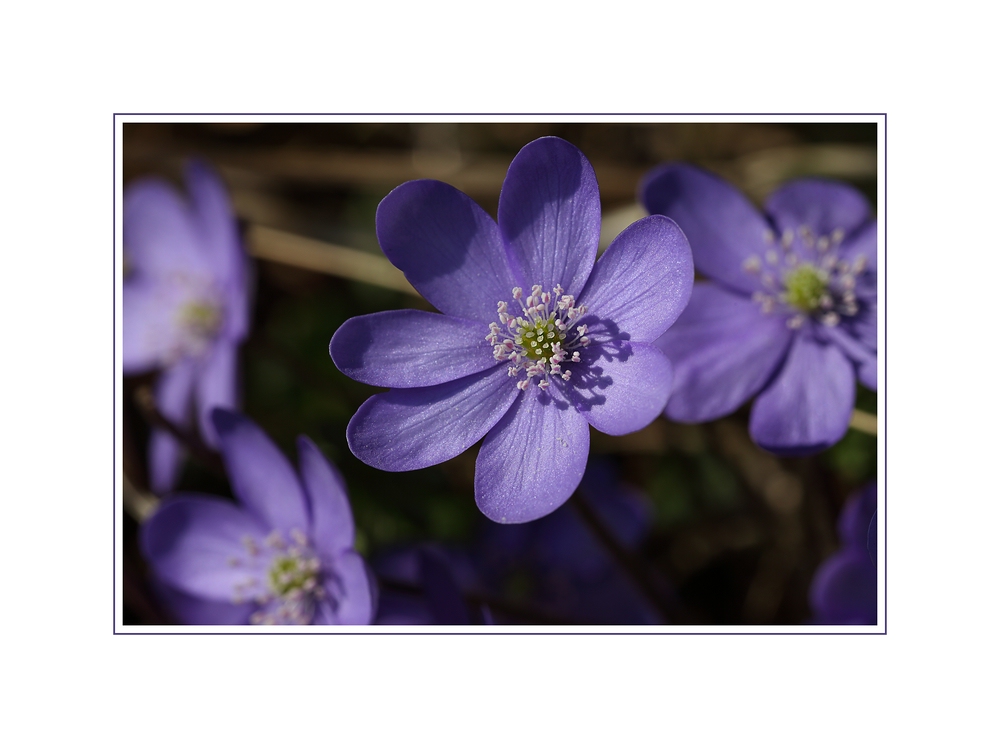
{"type": "Point", "coordinates": [864, 422]}
{"type": "Point", "coordinates": [312, 254]}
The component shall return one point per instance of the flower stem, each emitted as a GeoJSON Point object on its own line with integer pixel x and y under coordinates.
{"type": "Point", "coordinates": [194, 445]}
{"type": "Point", "coordinates": [864, 422]}
{"type": "Point", "coordinates": [323, 257]}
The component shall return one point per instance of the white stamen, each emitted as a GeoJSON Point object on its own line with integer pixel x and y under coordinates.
{"type": "Point", "coordinates": [538, 342]}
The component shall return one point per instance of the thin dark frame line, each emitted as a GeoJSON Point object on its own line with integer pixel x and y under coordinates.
{"type": "Point", "coordinates": [486, 631]}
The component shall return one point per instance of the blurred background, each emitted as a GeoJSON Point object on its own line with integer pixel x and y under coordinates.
{"type": "Point", "coordinates": [722, 532]}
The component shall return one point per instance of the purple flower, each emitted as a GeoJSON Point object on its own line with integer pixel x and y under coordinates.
{"type": "Point", "coordinates": [845, 587]}
{"type": "Point", "coordinates": [436, 576]}
{"type": "Point", "coordinates": [184, 301]}
{"type": "Point", "coordinates": [536, 342]}
{"type": "Point", "coordinates": [789, 314]}
{"type": "Point", "coordinates": [560, 565]}
{"type": "Point", "coordinates": [283, 556]}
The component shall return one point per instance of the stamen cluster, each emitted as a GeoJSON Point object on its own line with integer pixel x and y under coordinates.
{"type": "Point", "coordinates": [200, 322]}
{"type": "Point", "coordinates": [291, 585]}
{"type": "Point", "coordinates": [542, 339]}
{"type": "Point", "coordinates": [806, 279]}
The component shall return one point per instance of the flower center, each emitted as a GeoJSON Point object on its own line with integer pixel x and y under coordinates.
{"type": "Point", "coordinates": [805, 286]}
{"type": "Point", "coordinates": [804, 277]}
{"type": "Point", "coordinates": [285, 579]}
{"type": "Point", "coordinates": [538, 337]}
{"type": "Point", "coordinates": [289, 574]}
{"type": "Point", "coordinates": [542, 339]}
{"type": "Point", "coordinates": [201, 318]}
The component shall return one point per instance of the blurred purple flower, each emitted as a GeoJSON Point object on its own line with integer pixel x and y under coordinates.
{"type": "Point", "coordinates": [436, 577]}
{"type": "Point", "coordinates": [283, 556]}
{"type": "Point", "coordinates": [185, 303]}
{"type": "Point", "coordinates": [789, 314]}
{"type": "Point", "coordinates": [558, 563]}
{"type": "Point", "coordinates": [527, 369]}
{"type": "Point", "coordinates": [845, 587]}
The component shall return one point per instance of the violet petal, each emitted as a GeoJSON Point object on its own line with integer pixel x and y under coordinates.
{"type": "Point", "coordinates": [723, 226]}
{"type": "Point", "coordinates": [410, 348]}
{"type": "Point", "coordinates": [352, 589]}
{"type": "Point", "coordinates": [447, 246]}
{"type": "Point", "coordinates": [216, 386]}
{"type": "Point", "coordinates": [261, 476]}
{"type": "Point", "coordinates": [214, 221]}
{"type": "Point", "coordinates": [845, 589]}
{"type": "Point", "coordinates": [862, 243]}
{"type": "Point", "coordinates": [191, 540]}
{"type": "Point", "coordinates": [332, 521]}
{"type": "Point", "coordinates": [532, 460]}
{"type": "Point", "coordinates": [149, 328]}
{"type": "Point", "coordinates": [864, 358]}
{"type": "Point", "coordinates": [643, 281]}
{"type": "Point", "coordinates": [723, 351]}
{"type": "Point", "coordinates": [808, 405]}
{"type": "Point", "coordinates": [623, 391]}
{"type": "Point", "coordinates": [408, 429]}
{"type": "Point", "coordinates": [173, 395]}
{"type": "Point", "coordinates": [822, 205]}
{"type": "Point", "coordinates": [550, 215]}
{"type": "Point", "coordinates": [196, 611]}
{"type": "Point", "coordinates": [158, 232]}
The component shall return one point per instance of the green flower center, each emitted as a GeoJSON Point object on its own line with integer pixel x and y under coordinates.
{"type": "Point", "coordinates": [805, 287]}
{"type": "Point", "coordinates": [538, 337]}
{"type": "Point", "coordinates": [201, 318]}
{"type": "Point", "coordinates": [291, 573]}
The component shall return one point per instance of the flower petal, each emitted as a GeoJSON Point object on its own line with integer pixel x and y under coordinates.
{"type": "Point", "coordinates": [214, 220]}
{"type": "Point", "coordinates": [220, 239]}
{"type": "Point", "coordinates": [723, 226]}
{"type": "Point", "coordinates": [856, 516]}
{"type": "Point", "coordinates": [173, 394]}
{"type": "Point", "coordinates": [822, 205]}
{"type": "Point", "coordinates": [864, 358]}
{"type": "Point", "coordinates": [808, 405]}
{"type": "Point", "coordinates": [332, 521]}
{"type": "Point", "coordinates": [862, 243]}
{"type": "Point", "coordinates": [622, 390]}
{"type": "Point", "coordinates": [643, 281]}
{"type": "Point", "coordinates": [353, 591]}
{"type": "Point", "coordinates": [550, 214]}
{"type": "Point", "coordinates": [845, 589]}
{"type": "Point", "coordinates": [158, 232]}
{"type": "Point", "coordinates": [532, 460]}
{"type": "Point", "coordinates": [447, 247]}
{"type": "Point", "coordinates": [415, 428]}
{"type": "Point", "coordinates": [873, 540]}
{"type": "Point", "coordinates": [196, 611]}
{"type": "Point", "coordinates": [189, 543]}
{"type": "Point", "coordinates": [216, 386]}
{"type": "Point", "coordinates": [261, 476]}
{"type": "Point", "coordinates": [723, 350]}
{"type": "Point", "coordinates": [410, 348]}
{"type": "Point", "coordinates": [149, 326]}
